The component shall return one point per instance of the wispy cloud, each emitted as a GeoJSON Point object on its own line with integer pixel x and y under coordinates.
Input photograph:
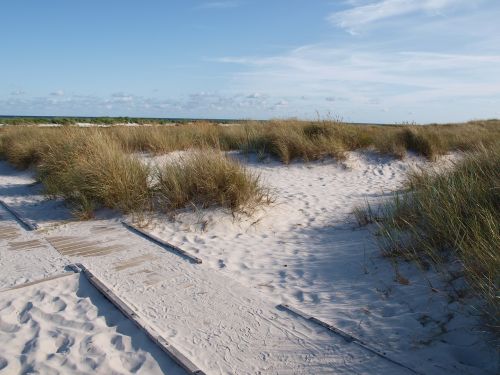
{"type": "Point", "coordinates": [360, 15]}
{"type": "Point", "coordinates": [370, 78]}
{"type": "Point", "coordinates": [219, 4]}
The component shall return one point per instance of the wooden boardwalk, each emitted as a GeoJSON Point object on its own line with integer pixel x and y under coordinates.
{"type": "Point", "coordinates": [211, 320]}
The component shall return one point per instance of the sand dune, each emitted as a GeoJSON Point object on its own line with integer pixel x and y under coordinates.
{"type": "Point", "coordinates": [306, 250]}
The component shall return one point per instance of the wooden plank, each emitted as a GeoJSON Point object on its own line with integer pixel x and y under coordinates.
{"type": "Point", "coordinates": [27, 224]}
{"type": "Point", "coordinates": [75, 244]}
{"type": "Point", "coordinates": [92, 250]}
{"type": "Point", "coordinates": [22, 245]}
{"type": "Point", "coordinates": [10, 233]}
{"type": "Point", "coordinates": [105, 251]}
{"type": "Point", "coordinates": [346, 336]}
{"type": "Point", "coordinates": [61, 238]}
{"type": "Point", "coordinates": [162, 243]}
{"type": "Point", "coordinates": [133, 262]}
{"type": "Point", "coordinates": [103, 229]}
{"type": "Point", "coordinates": [67, 246]}
{"type": "Point", "coordinates": [151, 332]}
{"type": "Point", "coordinates": [61, 275]}
{"type": "Point", "coordinates": [76, 247]}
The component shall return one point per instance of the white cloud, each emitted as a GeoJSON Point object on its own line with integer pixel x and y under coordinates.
{"type": "Point", "coordinates": [357, 16]}
{"type": "Point", "coordinates": [57, 93]}
{"type": "Point", "coordinates": [203, 104]}
{"type": "Point", "coordinates": [120, 97]}
{"type": "Point", "coordinates": [18, 92]}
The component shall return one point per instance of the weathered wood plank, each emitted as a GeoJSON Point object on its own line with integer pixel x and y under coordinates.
{"type": "Point", "coordinates": [58, 276]}
{"type": "Point", "coordinates": [27, 224]}
{"type": "Point", "coordinates": [162, 243]}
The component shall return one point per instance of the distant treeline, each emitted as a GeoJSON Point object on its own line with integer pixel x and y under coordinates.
{"type": "Point", "coordinates": [36, 120]}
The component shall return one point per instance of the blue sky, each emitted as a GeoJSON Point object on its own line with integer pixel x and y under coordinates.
{"type": "Point", "coordinates": [360, 60]}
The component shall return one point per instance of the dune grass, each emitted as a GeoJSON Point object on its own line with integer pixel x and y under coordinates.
{"type": "Point", "coordinates": [286, 140]}
{"type": "Point", "coordinates": [452, 215]}
{"type": "Point", "coordinates": [93, 171]}
{"type": "Point", "coordinates": [208, 178]}
{"type": "Point", "coordinates": [94, 167]}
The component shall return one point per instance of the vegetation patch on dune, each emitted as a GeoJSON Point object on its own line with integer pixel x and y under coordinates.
{"type": "Point", "coordinates": [92, 168]}
{"type": "Point", "coordinates": [452, 215]}
{"type": "Point", "coordinates": [208, 178]}
{"type": "Point", "coordinates": [93, 171]}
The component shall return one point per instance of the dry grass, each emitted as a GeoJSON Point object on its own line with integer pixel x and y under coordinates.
{"type": "Point", "coordinates": [453, 215]}
{"type": "Point", "coordinates": [208, 178]}
{"type": "Point", "coordinates": [91, 171]}
{"type": "Point", "coordinates": [22, 146]}
{"type": "Point", "coordinates": [286, 140]}
{"type": "Point", "coordinates": [93, 167]}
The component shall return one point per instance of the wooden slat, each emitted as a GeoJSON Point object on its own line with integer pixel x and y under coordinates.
{"type": "Point", "coordinates": [8, 232]}
{"type": "Point", "coordinates": [38, 281]}
{"type": "Point", "coordinates": [21, 245]}
{"type": "Point", "coordinates": [27, 224]}
{"type": "Point", "coordinates": [76, 246]}
{"type": "Point", "coordinates": [133, 262]}
{"type": "Point", "coordinates": [162, 243]}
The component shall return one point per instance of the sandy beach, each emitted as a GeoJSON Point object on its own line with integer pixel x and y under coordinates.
{"type": "Point", "coordinates": [306, 250]}
{"type": "Point", "coordinates": [65, 326]}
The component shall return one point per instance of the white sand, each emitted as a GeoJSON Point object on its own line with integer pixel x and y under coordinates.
{"type": "Point", "coordinates": [305, 250]}
{"type": "Point", "coordinates": [65, 326]}
{"type": "Point", "coordinates": [308, 251]}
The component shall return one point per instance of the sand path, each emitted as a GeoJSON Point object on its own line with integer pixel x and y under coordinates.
{"type": "Point", "coordinates": [221, 325]}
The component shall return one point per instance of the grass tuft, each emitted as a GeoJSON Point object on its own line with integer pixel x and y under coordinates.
{"type": "Point", "coordinates": [208, 178]}
{"type": "Point", "coordinates": [93, 171]}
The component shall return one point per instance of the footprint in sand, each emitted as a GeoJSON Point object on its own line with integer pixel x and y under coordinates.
{"type": "Point", "coordinates": [3, 363]}
{"type": "Point", "coordinates": [58, 304]}
{"type": "Point", "coordinates": [64, 343]}
{"type": "Point", "coordinates": [282, 276]}
{"type": "Point", "coordinates": [132, 361]}
{"type": "Point", "coordinates": [299, 295]}
{"type": "Point", "coordinates": [117, 342]}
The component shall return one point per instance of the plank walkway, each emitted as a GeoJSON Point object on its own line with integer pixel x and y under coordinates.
{"type": "Point", "coordinates": [217, 323]}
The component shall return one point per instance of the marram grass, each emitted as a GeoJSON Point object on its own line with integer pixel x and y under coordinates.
{"type": "Point", "coordinates": [449, 215]}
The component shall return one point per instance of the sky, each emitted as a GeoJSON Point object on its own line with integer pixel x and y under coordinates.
{"type": "Point", "coordinates": [385, 61]}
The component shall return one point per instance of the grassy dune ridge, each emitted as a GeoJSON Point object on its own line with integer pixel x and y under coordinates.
{"type": "Point", "coordinates": [94, 166]}
{"type": "Point", "coordinates": [283, 139]}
